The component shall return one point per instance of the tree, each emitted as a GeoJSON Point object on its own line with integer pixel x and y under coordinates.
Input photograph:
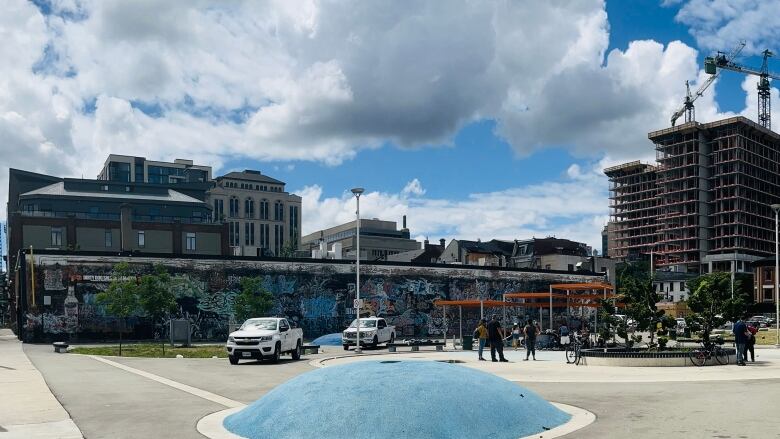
{"type": "Point", "coordinates": [121, 296]}
{"type": "Point", "coordinates": [640, 298]}
{"type": "Point", "coordinates": [711, 302]}
{"type": "Point", "coordinates": [156, 297]}
{"type": "Point", "coordinates": [253, 300]}
{"type": "Point", "coordinates": [154, 294]}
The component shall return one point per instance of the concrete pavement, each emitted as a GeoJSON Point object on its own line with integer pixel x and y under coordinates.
{"type": "Point", "coordinates": [110, 402]}
{"type": "Point", "coordinates": [27, 408]}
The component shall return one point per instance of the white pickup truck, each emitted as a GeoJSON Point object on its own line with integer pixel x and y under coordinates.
{"type": "Point", "coordinates": [266, 337]}
{"type": "Point", "coordinates": [373, 331]}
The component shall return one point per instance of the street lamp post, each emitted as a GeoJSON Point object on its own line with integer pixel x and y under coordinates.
{"type": "Point", "coordinates": [357, 191]}
{"type": "Point", "coordinates": [776, 208]}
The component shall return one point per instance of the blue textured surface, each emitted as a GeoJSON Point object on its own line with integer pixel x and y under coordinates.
{"type": "Point", "coordinates": [329, 340]}
{"type": "Point", "coordinates": [406, 399]}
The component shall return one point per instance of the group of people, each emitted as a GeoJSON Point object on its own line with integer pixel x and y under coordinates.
{"type": "Point", "coordinates": [745, 339]}
{"type": "Point", "coordinates": [493, 334]}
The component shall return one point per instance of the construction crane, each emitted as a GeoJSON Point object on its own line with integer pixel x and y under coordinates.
{"type": "Point", "coordinates": [712, 64]}
{"type": "Point", "coordinates": [688, 109]}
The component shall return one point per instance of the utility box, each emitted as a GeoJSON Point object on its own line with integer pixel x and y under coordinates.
{"type": "Point", "coordinates": [180, 332]}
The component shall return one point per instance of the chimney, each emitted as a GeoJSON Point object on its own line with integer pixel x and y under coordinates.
{"type": "Point", "coordinates": [441, 242]}
{"type": "Point", "coordinates": [404, 222]}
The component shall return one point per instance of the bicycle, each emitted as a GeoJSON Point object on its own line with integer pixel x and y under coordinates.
{"type": "Point", "coordinates": [699, 356]}
{"type": "Point", "coordinates": [573, 351]}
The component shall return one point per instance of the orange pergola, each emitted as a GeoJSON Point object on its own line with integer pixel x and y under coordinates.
{"type": "Point", "coordinates": [470, 303]}
{"type": "Point", "coordinates": [605, 292]}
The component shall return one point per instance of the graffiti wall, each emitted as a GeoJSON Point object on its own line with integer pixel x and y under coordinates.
{"type": "Point", "coordinates": [317, 296]}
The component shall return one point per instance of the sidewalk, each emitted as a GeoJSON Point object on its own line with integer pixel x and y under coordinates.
{"type": "Point", "coordinates": [27, 408]}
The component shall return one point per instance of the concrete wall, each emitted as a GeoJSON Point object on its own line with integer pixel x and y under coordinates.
{"type": "Point", "coordinates": [315, 295]}
{"type": "Point", "coordinates": [94, 239]}
{"type": "Point", "coordinates": [40, 237]}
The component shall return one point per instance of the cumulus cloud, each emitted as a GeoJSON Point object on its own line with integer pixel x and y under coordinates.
{"type": "Point", "coordinates": [721, 24]}
{"type": "Point", "coordinates": [573, 208]}
{"type": "Point", "coordinates": [321, 80]}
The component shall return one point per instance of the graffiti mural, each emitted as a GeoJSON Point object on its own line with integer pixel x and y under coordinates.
{"type": "Point", "coordinates": [316, 296]}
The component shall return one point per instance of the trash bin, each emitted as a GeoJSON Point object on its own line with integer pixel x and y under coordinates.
{"type": "Point", "coordinates": [468, 343]}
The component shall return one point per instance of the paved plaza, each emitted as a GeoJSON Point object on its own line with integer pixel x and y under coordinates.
{"type": "Point", "coordinates": [111, 397]}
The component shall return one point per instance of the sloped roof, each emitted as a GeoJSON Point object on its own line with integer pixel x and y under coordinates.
{"type": "Point", "coordinates": [493, 246]}
{"type": "Point", "coordinates": [59, 190]}
{"type": "Point", "coordinates": [250, 175]}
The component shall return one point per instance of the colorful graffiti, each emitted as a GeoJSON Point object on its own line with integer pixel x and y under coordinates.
{"type": "Point", "coordinates": [316, 296]}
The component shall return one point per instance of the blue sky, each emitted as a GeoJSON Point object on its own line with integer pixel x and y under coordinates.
{"type": "Point", "coordinates": [499, 129]}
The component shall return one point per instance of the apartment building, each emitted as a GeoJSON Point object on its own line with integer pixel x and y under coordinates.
{"type": "Point", "coordinates": [130, 169]}
{"type": "Point", "coordinates": [262, 218]}
{"type": "Point", "coordinates": [705, 205]}
{"type": "Point", "coordinates": [51, 213]}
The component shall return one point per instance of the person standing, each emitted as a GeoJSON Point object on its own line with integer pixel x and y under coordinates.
{"type": "Point", "coordinates": [563, 333]}
{"type": "Point", "coordinates": [496, 338]}
{"type": "Point", "coordinates": [530, 331]}
{"type": "Point", "coordinates": [750, 346]}
{"type": "Point", "coordinates": [515, 335]}
{"type": "Point", "coordinates": [481, 334]}
{"type": "Point", "coordinates": [740, 339]}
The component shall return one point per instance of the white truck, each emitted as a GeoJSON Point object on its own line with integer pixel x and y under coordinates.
{"type": "Point", "coordinates": [264, 338]}
{"type": "Point", "coordinates": [373, 331]}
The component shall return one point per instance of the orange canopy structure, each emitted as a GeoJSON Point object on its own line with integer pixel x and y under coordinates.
{"type": "Point", "coordinates": [582, 286]}
{"type": "Point", "coordinates": [474, 303]}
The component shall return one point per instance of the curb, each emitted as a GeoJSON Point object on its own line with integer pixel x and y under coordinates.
{"type": "Point", "coordinates": [212, 426]}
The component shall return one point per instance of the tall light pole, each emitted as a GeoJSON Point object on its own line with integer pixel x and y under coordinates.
{"type": "Point", "coordinates": [357, 191]}
{"type": "Point", "coordinates": [776, 208]}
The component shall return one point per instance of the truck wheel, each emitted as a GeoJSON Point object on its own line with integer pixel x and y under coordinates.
{"type": "Point", "coordinates": [375, 342]}
{"type": "Point", "coordinates": [277, 353]}
{"type": "Point", "coordinates": [346, 347]}
{"type": "Point", "coordinates": [233, 359]}
{"type": "Point", "coordinates": [296, 354]}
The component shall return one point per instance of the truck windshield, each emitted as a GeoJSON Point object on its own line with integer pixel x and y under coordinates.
{"type": "Point", "coordinates": [364, 323]}
{"type": "Point", "coordinates": [260, 324]}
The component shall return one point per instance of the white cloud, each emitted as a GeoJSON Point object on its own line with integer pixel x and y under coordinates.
{"type": "Point", "coordinates": [320, 81]}
{"type": "Point", "coordinates": [572, 208]}
{"type": "Point", "coordinates": [721, 24]}
{"type": "Point", "coordinates": [414, 187]}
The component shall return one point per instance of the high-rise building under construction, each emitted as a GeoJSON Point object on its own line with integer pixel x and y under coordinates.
{"type": "Point", "coordinates": [705, 204]}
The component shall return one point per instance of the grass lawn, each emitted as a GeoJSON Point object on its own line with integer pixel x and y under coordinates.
{"type": "Point", "coordinates": [766, 337]}
{"type": "Point", "coordinates": [153, 350]}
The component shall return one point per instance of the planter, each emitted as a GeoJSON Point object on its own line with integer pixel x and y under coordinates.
{"type": "Point", "coordinates": [642, 357]}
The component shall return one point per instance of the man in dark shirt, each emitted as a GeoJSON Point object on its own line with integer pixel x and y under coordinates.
{"type": "Point", "coordinates": [496, 338]}
{"type": "Point", "coordinates": [740, 339]}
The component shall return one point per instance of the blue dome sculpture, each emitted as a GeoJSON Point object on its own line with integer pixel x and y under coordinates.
{"type": "Point", "coordinates": [329, 340]}
{"type": "Point", "coordinates": [396, 399]}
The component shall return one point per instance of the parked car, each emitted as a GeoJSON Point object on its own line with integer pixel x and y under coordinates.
{"type": "Point", "coordinates": [264, 338]}
{"type": "Point", "coordinates": [680, 323]}
{"type": "Point", "coordinates": [373, 331]}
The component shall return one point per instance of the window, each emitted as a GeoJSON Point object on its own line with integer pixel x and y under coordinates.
{"type": "Point", "coordinates": [768, 295]}
{"type": "Point", "coordinates": [278, 211]}
{"type": "Point", "coordinates": [265, 236]}
{"type": "Point", "coordinates": [249, 208]}
{"type": "Point", "coordinates": [278, 239]}
{"type": "Point", "coordinates": [56, 236]}
{"type": "Point", "coordinates": [249, 233]}
{"type": "Point", "coordinates": [233, 234]}
{"type": "Point", "coordinates": [682, 286]}
{"type": "Point", "coordinates": [233, 206]}
{"type": "Point", "coordinates": [109, 237]}
{"type": "Point", "coordinates": [264, 209]}
{"type": "Point", "coordinates": [191, 244]}
{"type": "Point", "coordinates": [104, 187]}
{"type": "Point", "coordinates": [219, 209]}
{"type": "Point", "coordinates": [571, 267]}
{"type": "Point", "coordinates": [141, 238]}
{"type": "Point", "coordinates": [294, 225]}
